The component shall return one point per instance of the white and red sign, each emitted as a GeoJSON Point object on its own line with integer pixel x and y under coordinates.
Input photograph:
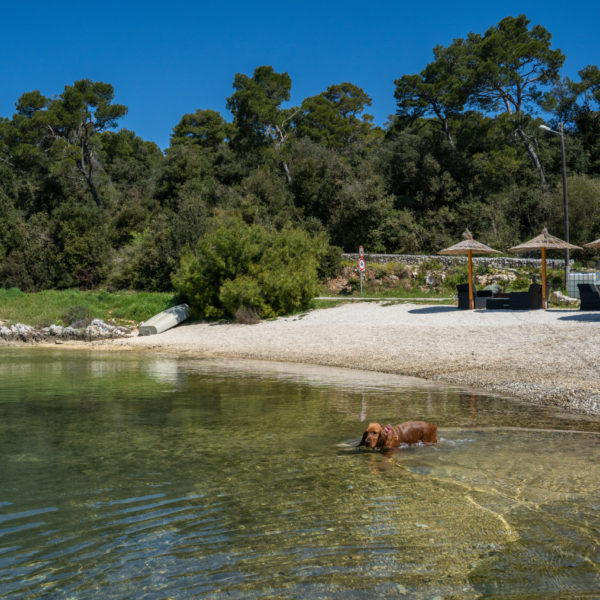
{"type": "Point", "coordinates": [361, 252]}
{"type": "Point", "coordinates": [361, 264]}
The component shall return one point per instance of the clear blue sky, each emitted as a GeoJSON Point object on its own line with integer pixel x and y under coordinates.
{"type": "Point", "coordinates": [169, 58]}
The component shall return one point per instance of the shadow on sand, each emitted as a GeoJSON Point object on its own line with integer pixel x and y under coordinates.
{"type": "Point", "coordinates": [585, 317]}
{"type": "Point", "coordinates": [431, 310]}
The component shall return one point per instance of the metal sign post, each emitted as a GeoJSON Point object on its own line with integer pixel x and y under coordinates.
{"type": "Point", "coordinates": [361, 266]}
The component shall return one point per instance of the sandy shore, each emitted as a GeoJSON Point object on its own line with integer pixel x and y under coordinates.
{"type": "Point", "coordinates": [546, 357]}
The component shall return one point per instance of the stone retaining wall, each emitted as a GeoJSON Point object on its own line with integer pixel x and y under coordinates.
{"type": "Point", "coordinates": [502, 262]}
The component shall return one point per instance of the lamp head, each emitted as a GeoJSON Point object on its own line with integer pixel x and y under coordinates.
{"type": "Point", "coordinates": [546, 128]}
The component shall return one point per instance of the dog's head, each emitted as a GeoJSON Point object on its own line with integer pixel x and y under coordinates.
{"type": "Point", "coordinates": [373, 436]}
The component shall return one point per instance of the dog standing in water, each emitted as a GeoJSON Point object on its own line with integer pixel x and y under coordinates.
{"type": "Point", "coordinates": [387, 437]}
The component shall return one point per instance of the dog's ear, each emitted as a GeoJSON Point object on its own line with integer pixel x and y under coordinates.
{"type": "Point", "coordinates": [383, 435]}
{"type": "Point", "coordinates": [362, 442]}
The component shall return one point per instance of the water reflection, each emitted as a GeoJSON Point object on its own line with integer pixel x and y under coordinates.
{"type": "Point", "coordinates": [128, 476]}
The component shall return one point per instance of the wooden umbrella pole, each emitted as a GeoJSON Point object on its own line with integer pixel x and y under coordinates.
{"type": "Point", "coordinates": [471, 300]}
{"type": "Point", "coordinates": [544, 302]}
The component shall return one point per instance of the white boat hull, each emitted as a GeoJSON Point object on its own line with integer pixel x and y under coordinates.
{"type": "Point", "coordinates": [165, 320]}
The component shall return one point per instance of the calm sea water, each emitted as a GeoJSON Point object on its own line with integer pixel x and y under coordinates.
{"type": "Point", "coordinates": [130, 476]}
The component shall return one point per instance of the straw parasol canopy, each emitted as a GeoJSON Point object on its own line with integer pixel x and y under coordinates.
{"type": "Point", "coordinates": [469, 246]}
{"type": "Point", "coordinates": [544, 242]}
{"type": "Point", "coordinates": [594, 244]}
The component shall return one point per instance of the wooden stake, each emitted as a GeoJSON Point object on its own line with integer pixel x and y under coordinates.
{"type": "Point", "coordinates": [471, 299]}
{"type": "Point", "coordinates": [544, 302]}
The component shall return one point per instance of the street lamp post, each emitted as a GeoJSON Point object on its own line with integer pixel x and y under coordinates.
{"type": "Point", "coordinates": [561, 133]}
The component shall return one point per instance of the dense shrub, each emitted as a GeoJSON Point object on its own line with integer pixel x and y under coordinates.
{"type": "Point", "coordinates": [239, 265]}
{"type": "Point", "coordinates": [77, 316]}
{"type": "Point", "coordinates": [147, 261]}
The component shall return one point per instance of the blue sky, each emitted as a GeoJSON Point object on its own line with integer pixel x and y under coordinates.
{"type": "Point", "coordinates": [169, 58]}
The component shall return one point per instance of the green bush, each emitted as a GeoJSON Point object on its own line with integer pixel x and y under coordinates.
{"type": "Point", "coordinates": [243, 291]}
{"type": "Point", "coordinates": [454, 276]}
{"type": "Point", "coordinates": [354, 284]}
{"type": "Point", "coordinates": [13, 292]}
{"type": "Point", "coordinates": [77, 314]}
{"type": "Point", "coordinates": [146, 263]}
{"type": "Point", "coordinates": [522, 282]}
{"type": "Point", "coordinates": [330, 263]}
{"type": "Point", "coordinates": [239, 265]}
{"type": "Point", "coordinates": [556, 279]}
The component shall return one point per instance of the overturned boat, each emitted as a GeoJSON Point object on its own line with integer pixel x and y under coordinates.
{"type": "Point", "coordinates": [165, 320]}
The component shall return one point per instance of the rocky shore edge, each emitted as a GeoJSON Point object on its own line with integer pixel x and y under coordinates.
{"type": "Point", "coordinates": [96, 330]}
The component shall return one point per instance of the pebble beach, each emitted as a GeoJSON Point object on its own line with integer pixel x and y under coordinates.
{"type": "Point", "coordinates": [544, 357]}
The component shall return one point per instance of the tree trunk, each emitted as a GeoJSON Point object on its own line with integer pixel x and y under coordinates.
{"type": "Point", "coordinates": [91, 186]}
{"type": "Point", "coordinates": [532, 154]}
{"type": "Point", "coordinates": [281, 139]}
{"type": "Point", "coordinates": [447, 132]}
{"type": "Point", "coordinates": [87, 174]}
{"type": "Point", "coordinates": [528, 145]}
{"type": "Point", "coordinates": [288, 176]}
{"type": "Point", "coordinates": [94, 192]}
{"type": "Point", "coordinates": [445, 127]}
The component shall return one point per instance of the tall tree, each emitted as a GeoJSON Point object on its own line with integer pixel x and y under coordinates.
{"type": "Point", "coordinates": [440, 91]}
{"type": "Point", "coordinates": [74, 121]}
{"type": "Point", "coordinates": [505, 71]}
{"type": "Point", "coordinates": [334, 116]}
{"type": "Point", "coordinates": [206, 128]}
{"type": "Point", "coordinates": [257, 114]}
{"type": "Point", "coordinates": [587, 115]}
{"type": "Point", "coordinates": [513, 66]}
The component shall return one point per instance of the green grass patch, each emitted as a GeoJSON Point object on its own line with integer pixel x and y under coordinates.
{"type": "Point", "coordinates": [332, 303]}
{"type": "Point", "coordinates": [399, 292]}
{"type": "Point", "coordinates": [49, 307]}
{"type": "Point", "coordinates": [385, 301]}
{"type": "Point", "coordinates": [381, 293]}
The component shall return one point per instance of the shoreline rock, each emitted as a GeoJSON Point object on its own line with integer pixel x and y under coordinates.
{"type": "Point", "coordinates": [96, 330]}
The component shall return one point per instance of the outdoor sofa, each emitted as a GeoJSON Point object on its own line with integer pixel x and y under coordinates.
{"type": "Point", "coordinates": [479, 296]}
{"type": "Point", "coordinates": [589, 295]}
{"type": "Point", "coordinates": [529, 300]}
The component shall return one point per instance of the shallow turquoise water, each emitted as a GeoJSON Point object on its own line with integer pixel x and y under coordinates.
{"type": "Point", "coordinates": [129, 476]}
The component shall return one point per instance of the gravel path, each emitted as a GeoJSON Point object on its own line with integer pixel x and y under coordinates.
{"type": "Point", "coordinates": [547, 357]}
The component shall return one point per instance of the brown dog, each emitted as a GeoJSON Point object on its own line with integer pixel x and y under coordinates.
{"type": "Point", "coordinates": [411, 432]}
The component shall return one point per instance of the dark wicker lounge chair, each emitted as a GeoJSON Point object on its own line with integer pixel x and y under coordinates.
{"type": "Point", "coordinates": [463, 296]}
{"type": "Point", "coordinates": [589, 295]}
{"type": "Point", "coordinates": [479, 297]}
{"type": "Point", "coordinates": [530, 300]}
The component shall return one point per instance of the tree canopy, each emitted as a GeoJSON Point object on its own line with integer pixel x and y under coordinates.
{"type": "Point", "coordinates": [86, 204]}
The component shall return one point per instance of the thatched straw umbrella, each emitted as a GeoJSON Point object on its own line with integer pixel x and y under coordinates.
{"type": "Point", "coordinates": [469, 246]}
{"type": "Point", "coordinates": [544, 242]}
{"type": "Point", "coordinates": [594, 244]}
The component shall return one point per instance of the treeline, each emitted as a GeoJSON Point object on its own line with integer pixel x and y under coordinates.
{"type": "Point", "coordinates": [84, 205]}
